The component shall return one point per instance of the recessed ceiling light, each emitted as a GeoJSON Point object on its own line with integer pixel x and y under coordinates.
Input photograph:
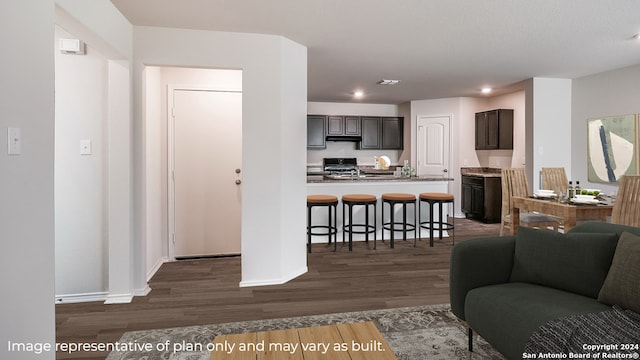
{"type": "Point", "coordinates": [486, 90]}
{"type": "Point", "coordinates": [388, 82]}
{"type": "Point", "coordinates": [358, 94]}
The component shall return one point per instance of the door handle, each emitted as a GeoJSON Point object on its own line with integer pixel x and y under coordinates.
{"type": "Point", "coordinates": [238, 182]}
{"type": "Point", "coordinates": [238, 171]}
{"type": "Point", "coordinates": [445, 170]}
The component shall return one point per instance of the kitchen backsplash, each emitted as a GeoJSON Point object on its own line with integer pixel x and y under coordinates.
{"type": "Point", "coordinates": [347, 149]}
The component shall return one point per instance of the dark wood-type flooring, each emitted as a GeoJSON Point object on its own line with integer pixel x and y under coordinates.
{"type": "Point", "coordinates": [206, 291]}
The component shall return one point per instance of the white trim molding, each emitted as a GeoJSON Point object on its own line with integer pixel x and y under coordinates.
{"type": "Point", "coordinates": [78, 298]}
{"type": "Point", "coordinates": [119, 299]}
{"type": "Point", "coordinates": [280, 281]}
{"type": "Point", "coordinates": [156, 267]}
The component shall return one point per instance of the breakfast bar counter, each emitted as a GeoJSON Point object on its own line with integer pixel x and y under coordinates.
{"type": "Point", "coordinates": [348, 179]}
{"type": "Point", "coordinates": [373, 185]}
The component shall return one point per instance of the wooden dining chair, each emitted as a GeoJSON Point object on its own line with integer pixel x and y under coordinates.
{"type": "Point", "coordinates": [514, 183]}
{"type": "Point", "coordinates": [555, 179]}
{"type": "Point", "coordinates": [626, 209]}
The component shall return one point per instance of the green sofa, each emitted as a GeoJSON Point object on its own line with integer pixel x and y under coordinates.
{"type": "Point", "coordinates": [507, 287]}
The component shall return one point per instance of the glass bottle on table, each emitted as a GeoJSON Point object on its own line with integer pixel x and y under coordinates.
{"type": "Point", "coordinates": [571, 191]}
{"type": "Point", "coordinates": [578, 189]}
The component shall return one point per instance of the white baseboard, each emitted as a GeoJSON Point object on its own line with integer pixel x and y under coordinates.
{"type": "Point", "coordinates": [78, 298]}
{"type": "Point", "coordinates": [142, 292]}
{"type": "Point", "coordinates": [279, 281]}
{"type": "Point", "coordinates": [101, 296]}
{"type": "Point", "coordinates": [156, 267]}
{"type": "Point", "coordinates": [119, 299]}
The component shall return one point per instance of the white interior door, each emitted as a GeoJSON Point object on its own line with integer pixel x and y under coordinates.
{"type": "Point", "coordinates": [433, 145]}
{"type": "Point", "coordinates": [207, 156]}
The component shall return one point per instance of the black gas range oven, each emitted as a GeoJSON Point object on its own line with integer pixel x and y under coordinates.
{"type": "Point", "coordinates": [339, 166]}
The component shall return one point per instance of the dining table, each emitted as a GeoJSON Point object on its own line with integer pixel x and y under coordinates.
{"type": "Point", "coordinates": [568, 213]}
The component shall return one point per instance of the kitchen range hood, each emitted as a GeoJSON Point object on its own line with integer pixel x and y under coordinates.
{"type": "Point", "coordinates": [354, 138]}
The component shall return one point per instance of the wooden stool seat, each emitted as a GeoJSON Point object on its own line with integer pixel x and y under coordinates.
{"type": "Point", "coordinates": [433, 198]}
{"type": "Point", "coordinates": [321, 199]}
{"type": "Point", "coordinates": [351, 200]}
{"type": "Point", "coordinates": [392, 226]}
{"type": "Point", "coordinates": [436, 196]}
{"type": "Point", "coordinates": [331, 202]}
{"type": "Point", "coordinates": [360, 198]}
{"type": "Point", "coordinates": [398, 197]}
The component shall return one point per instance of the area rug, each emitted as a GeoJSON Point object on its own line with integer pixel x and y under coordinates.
{"type": "Point", "coordinates": [414, 333]}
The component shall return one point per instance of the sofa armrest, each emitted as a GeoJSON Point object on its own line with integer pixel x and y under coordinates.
{"type": "Point", "coordinates": [476, 263]}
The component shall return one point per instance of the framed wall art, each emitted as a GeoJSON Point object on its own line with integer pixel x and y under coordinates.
{"type": "Point", "coordinates": [611, 148]}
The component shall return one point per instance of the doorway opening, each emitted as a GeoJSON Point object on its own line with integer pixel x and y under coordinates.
{"type": "Point", "coordinates": [194, 137]}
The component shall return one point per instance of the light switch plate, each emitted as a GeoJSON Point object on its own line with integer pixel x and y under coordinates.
{"type": "Point", "coordinates": [85, 147]}
{"type": "Point", "coordinates": [14, 141]}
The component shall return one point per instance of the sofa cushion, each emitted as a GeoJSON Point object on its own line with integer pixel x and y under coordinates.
{"type": "Point", "coordinates": [621, 285]}
{"type": "Point", "coordinates": [602, 227]}
{"type": "Point", "coordinates": [576, 262]}
{"type": "Point", "coordinates": [507, 314]}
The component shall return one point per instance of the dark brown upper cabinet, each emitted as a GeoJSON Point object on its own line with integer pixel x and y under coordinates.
{"type": "Point", "coordinates": [371, 132]}
{"type": "Point", "coordinates": [494, 130]}
{"type": "Point", "coordinates": [316, 132]}
{"type": "Point", "coordinates": [382, 132]}
{"type": "Point", "coordinates": [343, 125]}
{"type": "Point", "coordinates": [392, 132]}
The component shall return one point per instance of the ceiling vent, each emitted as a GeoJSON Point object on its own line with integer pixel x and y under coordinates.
{"type": "Point", "coordinates": [388, 82]}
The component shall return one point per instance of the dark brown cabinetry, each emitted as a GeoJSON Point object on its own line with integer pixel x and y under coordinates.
{"type": "Point", "coordinates": [316, 132]}
{"type": "Point", "coordinates": [343, 125]}
{"type": "Point", "coordinates": [494, 130]}
{"type": "Point", "coordinates": [482, 198]}
{"type": "Point", "coordinates": [369, 132]}
{"type": "Point", "coordinates": [382, 133]}
{"type": "Point", "coordinates": [392, 131]}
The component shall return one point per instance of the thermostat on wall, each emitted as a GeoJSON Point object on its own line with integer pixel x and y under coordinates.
{"type": "Point", "coordinates": [71, 46]}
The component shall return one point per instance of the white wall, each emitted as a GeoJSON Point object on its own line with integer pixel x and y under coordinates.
{"type": "Point", "coordinates": [605, 94]}
{"type": "Point", "coordinates": [80, 180]}
{"type": "Point", "coordinates": [274, 106]}
{"type": "Point", "coordinates": [99, 23]}
{"type": "Point", "coordinates": [348, 149]}
{"type": "Point", "coordinates": [104, 29]}
{"type": "Point", "coordinates": [155, 167]}
{"type": "Point", "coordinates": [26, 184]}
{"type": "Point", "coordinates": [292, 161]}
{"type": "Point", "coordinates": [466, 140]}
{"type": "Point", "coordinates": [548, 127]}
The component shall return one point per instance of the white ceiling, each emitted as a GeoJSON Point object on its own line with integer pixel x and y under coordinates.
{"type": "Point", "coordinates": [437, 48]}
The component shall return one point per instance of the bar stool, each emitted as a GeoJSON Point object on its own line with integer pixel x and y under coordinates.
{"type": "Point", "coordinates": [352, 200]}
{"type": "Point", "coordinates": [436, 198]}
{"type": "Point", "coordinates": [403, 199]}
{"type": "Point", "coordinates": [331, 202]}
